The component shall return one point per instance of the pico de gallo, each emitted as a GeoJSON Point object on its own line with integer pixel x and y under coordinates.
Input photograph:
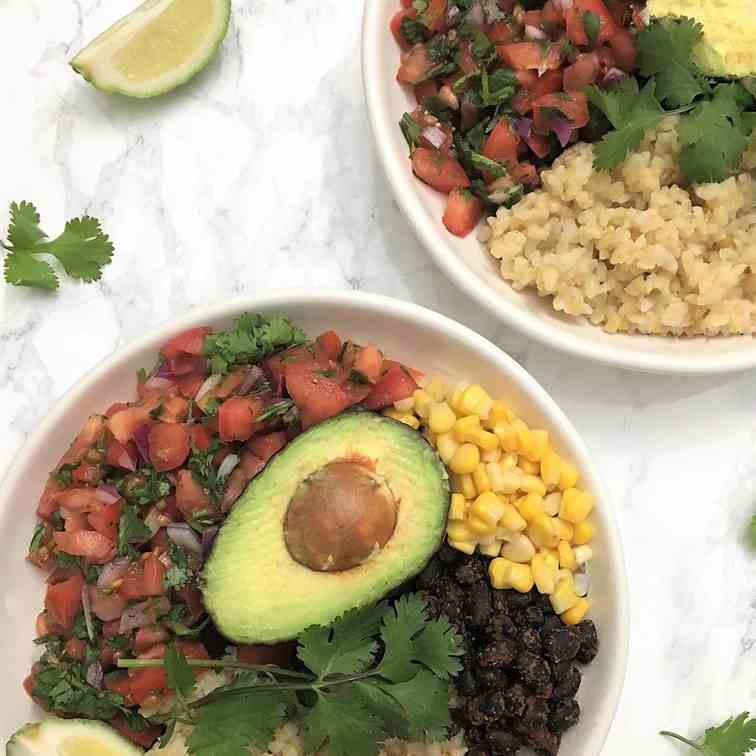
{"type": "Point", "coordinates": [499, 86]}
{"type": "Point", "coordinates": [130, 512]}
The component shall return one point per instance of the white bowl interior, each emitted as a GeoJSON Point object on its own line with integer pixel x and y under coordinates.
{"type": "Point", "coordinates": [412, 334]}
{"type": "Point", "coordinates": [467, 262]}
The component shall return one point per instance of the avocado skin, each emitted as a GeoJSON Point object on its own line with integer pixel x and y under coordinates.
{"type": "Point", "coordinates": [256, 592]}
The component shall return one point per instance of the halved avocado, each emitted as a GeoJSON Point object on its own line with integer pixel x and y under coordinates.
{"type": "Point", "coordinates": [343, 514]}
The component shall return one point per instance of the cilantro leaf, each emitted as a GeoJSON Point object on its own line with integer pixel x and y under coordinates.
{"type": "Point", "coordinates": [346, 647]}
{"type": "Point", "coordinates": [752, 531]}
{"type": "Point", "coordinates": [25, 270]}
{"type": "Point", "coordinates": [150, 487]}
{"type": "Point", "coordinates": [83, 249]}
{"type": "Point", "coordinates": [179, 574]}
{"type": "Point", "coordinates": [734, 737]}
{"type": "Point", "coordinates": [665, 50]}
{"type": "Point", "coordinates": [713, 136]}
{"type": "Point", "coordinates": [411, 131]}
{"type": "Point", "coordinates": [413, 30]}
{"type": "Point", "coordinates": [425, 701]}
{"type": "Point", "coordinates": [179, 673]}
{"type": "Point", "coordinates": [24, 230]}
{"type": "Point", "coordinates": [131, 530]}
{"type": "Point", "coordinates": [632, 114]}
{"type": "Point", "coordinates": [342, 726]}
{"type": "Point", "coordinates": [438, 647]}
{"type": "Point", "coordinates": [591, 26]}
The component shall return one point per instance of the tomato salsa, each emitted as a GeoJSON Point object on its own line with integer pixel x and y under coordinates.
{"type": "Point", "coordinates": [131, 510]}
{"type": "Point", "coordinates": [500, 90]}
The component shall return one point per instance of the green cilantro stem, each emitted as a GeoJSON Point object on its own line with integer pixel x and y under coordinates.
{"type": "Point", "coordinates": [687, 742]}
{"type": "Point", "coordinates": [217, 664]}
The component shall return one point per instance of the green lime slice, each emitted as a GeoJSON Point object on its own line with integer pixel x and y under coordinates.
{"type": "Point", "coordinates": [69, 737]}
{"type": "Point", "coordinates": [156, 48]}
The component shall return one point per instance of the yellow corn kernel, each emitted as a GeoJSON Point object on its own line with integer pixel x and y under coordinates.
{"type": "Point", "coordinates": [568, 476]}
{"type": "Point", "coordinates": [479, 527]}
{"type": "Point", "coordinates": [539, 445]}
{"type": "Point", "coordinates": [455, 401]}
{"type": "Point", "coordinates": [508, 460]}
{"type": "Point", "coordinates": [403, 417]}
{"type": "Point", "coordinates": [512, 519]}
{"type": "Point", "coordinates": [504, 534]}
{"type": "Point", "coordinates": [499, 413]}
{"type": "Point", "coordinates": [521, 577]}
{"type": "Point", "coordinates": [564, 597]}
{"type": "Point", "coordinates": [542, 532]}
{"type": "Point", "coordinates": [463, 484]}
{"type": "Point", "coordinates": [576, 505]}
{"type": "Point", "coordinates": [481, 480]}
{"type": "Point", "coordinates": [466, 547]}
{"type": "Point", "coordinates": [564, 529]}
{"type": "Point", "coordinates": [507, 437]}
{"type": "Point", "coordinates": [457, 508]}
{"type": "Point", "coordinates": [498, 572]}
{"type": "Point", "coordinates": [485, 440]}
{"type": "Point", "coordinates": [551, 468]}
{"type": "Point", "coordinates": [566, 576]}
{"type": "Point", "coordinates": [522, 435]}
{"type": "Point", "coordinates": [461, 533]}
{"type": "Point", "coordinates": [423, 402]}
{"type": "Point", "coordinates": [476, 401]}
{"type": "Point", "coordinates": [503, 481]}
{"type": "Point", "coordinates": [520, 549]}
{"type": "Point", "coordinates": [465, 459]}
{"type": "Point", "coordinates": [583, 532]}
{"type": "Point", "coordinates": [530, 506]}
{"type": "Point", "coordinates": [494, 455]}
{"type": "Point", "coordinates": [576, 614]}
{"type": "Point", "coordinates": [567, 559]}
{"type": "Point", "coordinates": [532, 468]}
{"type": "Point", "coordinates": [551, 557]}
{"type": "Point", "coordinates": [441, 417]}
{"type": "Point", "coordinates": [487, 539]}
{"type": "Point", "coordinates": [405, 405]}
{"type": "Point", "coordinates": [532, 484]}
{"type": "Point", "coordinates": [466, 427]}
{"type": "Point", "coordinates": [446, 446]}
{"type": "Point", "coordinates": [492, 549]}
{"type": "Point", "coordinates": [437, 389]}
{"type": "Point", "coordinates": [544, 575]}
{"type": "Point", "coordinates": [489, 508]}
{"type": "Point", "coordinates": [583, 554]}
{"type": "Point", "coordinates": [551, 503]}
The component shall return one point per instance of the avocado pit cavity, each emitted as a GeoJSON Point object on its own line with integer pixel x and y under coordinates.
{"type": "Point", "coordinates": [339, 517]}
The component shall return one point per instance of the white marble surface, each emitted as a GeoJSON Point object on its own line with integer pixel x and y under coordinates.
{"type": "Point", "coordinates": [261, 173]}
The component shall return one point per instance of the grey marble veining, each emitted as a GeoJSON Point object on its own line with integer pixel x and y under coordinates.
{"type": "Point", "coordinates": [261, 173]}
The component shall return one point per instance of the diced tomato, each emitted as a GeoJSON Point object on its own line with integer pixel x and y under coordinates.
{"type": "Point", "coordinates": [582, 72]}
{"type": "Point", "coordinates": [121, 684]}
{"type": "Point", "coordinates": [85, 472]}
{"type": "Point", "coordinates": [48, 501]}
{"type": "Point", "coordinates": [73, 522]}
{"type": "Point", "coordinates": [316, 396]}
{"type": "Point", "coordinates": [236, 484]}
{"type": "Point", "coordinates": [146, 682]}
{"type": "Point", "coordinates": [275, 366]}
{"type": "Point", "coordinates": [572, 105]}
{"type": "Point", "coordinates": [368, 362]}
{"type": "Point", "coordinates": [539, 144]}
{"type": "Point", "coordinates": [280, 654]}
{"type": "Point", "coordinates": [526, 173]}
{"type": "Point", "coordinates": [424, 89]}
{"type": "Point", "coordinates": [190, 496]}
{"type": "Point", "coordinates": [192, 597]}
{"type": "Point", "coordinates": [79, 500]}
{"type": "Point", "coordinates": [144, 738]}
{"type": "Point", "coordinates": [434, 16]}
{"type": "Point", "coordinates": [267, 445]}
{"type": "Point", "coordinates": [330, 343]}
{"type": "Point", "coordinates": [188, 385]}
{"type": "Point", "coordinates": [169, 445]}
{"type": "Point", "coordinates": [502, 143]}
{"type": "Point", "coordinates": [531, 55]}
{"type": "Point", "coordinates": [463, 212]}
{"type": "Point", "coordinates": [622, 44]}
{"type": "Point", "coordinates": [186, 342]}
{"type": "Point", "coordinates": [75, 648]}
{"type": "Point", "coordinates": [88, 436]}
{"type": "Point", "coordinates": [576, 22]}
{"type": "Point", "coordinates": [115, 407]}
{"type": "Point", "coordinates": [123, 424]}
{"type": "Point", "coordinates": [250, 464]}
{"type": "Point", "coordinates": [500, 32]}
{"type": "Point", "coordinates": [105, 521]}
{"type": "Point", "coordinates": [146, 637]}
{"type": "Point", "coordinates": [396, 27]}
{"type": "Point", "coordinates": [63, 601]}
{"type": "Point", "coordinates": [551, 81]}
{"type": "Point", "coordinates": [415, 64]}
{"type": "Point", "coordinates": [107, 606]}
{"type": "Point", "coordinates": [121, 455]}
{"type": "Point", "coordinates": [144, 578]}
{"type": "Point", "coordinates": [192, 649]}
{"type": "Point", "coordinates": [183, 364]}
{"type": "Point", "coordinates": [200, 437]}
{"type": "Point", "coordinates": [356, 392]}
{"type": "Point", "coordinates": [94, 547]}
{"type": "Point", "coordinates": [237, 417]}
{"type": "Point", "coordinates": [42, 556]}
{"type": "Point", "coordinates": [174, 409]}
{"type": "Point", "coordinates": [438, 170]}
{"type": "Point", "coordinates": [111, 628]}
{"type": "Point", "coordinates": [395, 384]}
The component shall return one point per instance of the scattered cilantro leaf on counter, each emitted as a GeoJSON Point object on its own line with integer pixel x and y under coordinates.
{"type": "Point", "coordinates": [752, 531]}
{"type": "Point", "coordinates": [251, 339]}
{"type": "Point", "coordinates": [82, 248]}
{"type": "Point", "coordinates": [665, 50]}
{"type": "Point", "coordinates": [734, 737]}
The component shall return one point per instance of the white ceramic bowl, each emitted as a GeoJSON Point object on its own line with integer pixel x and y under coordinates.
{"type": "Point", "coordinates": [409, 333]}
{"type": "Point", "coordinates": [469, 265]}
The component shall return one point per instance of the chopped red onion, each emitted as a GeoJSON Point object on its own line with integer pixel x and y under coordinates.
{"type": "Point", "coordinates": [143, 614]}
{"type": "Point", "coordinates": [452, 13]}
{"type": "Point", "coordinates": [208, 539]}
{"type": "Point", "coordinates": [126, 460]}
{"type": "Point", "coordinates": [95, 674]}
{"type": "Point", "coordinates": [142, 441]}
{"type": "Point", "coordinates": [86, 608]}
{"type": "Point", "coordinates": [475, 14]}
{"type": "Point", "coordinates": [156, 383]}
{"type": "Point", "coordinates": [210, 383]}
{"type": "Point", "coordinates": [524, 127]}
{"type": "Point", "coordinates": [165, 372]}
{"type": "Point", "coordinates": [433, 135]}
{"type": "Point", "coordinates": [107, 494]}
{"type": "Point", "coordinates": [533, 32]}
{"type": "Point", "coordinates": [253, 376]}
{"type": "Point", "coordinates": [563, 130]}
{"type": "Point", "coordinates": [154, 520]}
{"type": "Point", "coordinates": [613, 74]}
{"type": "Point", "coordinates": [227, 466]}
{"type": "Point", "coordinates": [113, 571]}
{"type": "Point", "coordinates": [182, 535]}
{"type": "Point", "coordinates": [562, 5]}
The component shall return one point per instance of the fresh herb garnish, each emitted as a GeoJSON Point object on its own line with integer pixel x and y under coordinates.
{"type": "Point", "coordinates": [325, 373]}
{"type": "Point", "coordinates": [202, 466]}
{"type": "Point", "coordinates": [355, 376]}
{"type": "Point", "coordinates": [82, 249]}
{"type": "Point", "coordinates": [752, 531]}
{"type": "Point", "coordinates": [413, 30]}
{"type": "Point", "coordinates": [62, 476]}
{"type": "Point", "coordinates": [734, 737]}
{"type": "Point", "coordinates": [251, 339]}
{"type": "Point", "coordinates": [411, 131]}
{"type": "Point", "coordinates": [179, 574]}
{"type": "Point", "coordinates": [157, 412]}
{"type": "Point", "coordinates": [275, 410]}
{"type": "Point", "coordinates": [150, 487]}
{"type": "Point", "coordinates": [592, 27]}
{"type": "Point", "coordinates": [40, 530]}
{"type": "Point", "coordinates": [492, 167]}
{"type": "Point", "coordinates": [142, 376]}
{"type": "Point", "coordinates": [131, 530]}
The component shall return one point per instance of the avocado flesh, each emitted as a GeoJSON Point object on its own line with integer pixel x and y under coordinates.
{"type": "Point", "coordinates": [254, 589]}
{"type": "Point", "coordinates": [728, 48]}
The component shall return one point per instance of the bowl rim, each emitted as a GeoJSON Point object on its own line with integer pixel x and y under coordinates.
{"type": "Point", "coordinates": [401, 181]}
{"type": "Point", "coordinates": [522, 382]}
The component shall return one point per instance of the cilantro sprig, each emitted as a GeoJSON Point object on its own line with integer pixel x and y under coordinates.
{"type": "Point", "coordinates": [378, 672]}
{"type": "Point", "coordinates": [83, 249]}
{"type": "Point", "coordinates": [734, 737]}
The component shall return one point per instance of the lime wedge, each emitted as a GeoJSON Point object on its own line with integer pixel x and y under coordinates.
{"type": "Point", "coordinates": [156, 48]}
{"type": "Point", "coordinates": [69, 737]}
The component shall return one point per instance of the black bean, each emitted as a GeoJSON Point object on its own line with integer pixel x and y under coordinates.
{"type": "Point", "coordinates": [536, 713]}
{"type": "Point", "coordinates": [530, 616]}
{"type": "Point", "coordinates": [552, 622]}
{"type": "Point", "coordinates": [589, 642]}
{"type": "Point", "coordinates": [534, 671]}
{"type": "Point", "coordinates": [429, 575]}
{"type": "Point", "coordinates": [479, 602]}
{"type": "Point", "coordinates": [502, 627]}
{"type": "Point", "coordinates": [543, 741]}
{"type": "Point", "coordinates": [492, 678]}
{"type": "Point", "coordinates": [448, 555]}
{"type": "Point", "coordinates": [500, 653]}
{"type": "Point", "coordinates": [561, 645]}
{"type": "Point", "coordinates": [503, 743]}
{"type": "Point", "coordinates": [516, 600]}
{"type": "Point", "coordinates": [471, 572]}
{"type": "Point", "coordinates": [564, 715]}
{"type": "Point", "coordinates": [515, 700]}
{"type": "Point", "coordinates": [530, 640]}
{"type": "Point", "coordinates": [569, 684]}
